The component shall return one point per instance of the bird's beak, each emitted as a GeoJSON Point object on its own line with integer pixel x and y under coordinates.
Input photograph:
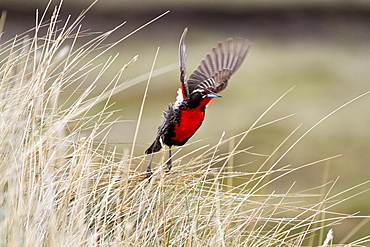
{"type": "Point", "coordinates": [212, 95]}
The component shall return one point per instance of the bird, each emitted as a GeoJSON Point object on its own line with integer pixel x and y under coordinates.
{"type": "Point", "coordinates": [184, 117]}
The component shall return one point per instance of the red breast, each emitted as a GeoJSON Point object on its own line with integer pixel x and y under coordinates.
{"type": "Point", "coordinates": [190, 120]}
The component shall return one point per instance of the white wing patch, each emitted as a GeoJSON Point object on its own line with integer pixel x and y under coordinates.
{"type": "Point", "coordinates": [179, 98]}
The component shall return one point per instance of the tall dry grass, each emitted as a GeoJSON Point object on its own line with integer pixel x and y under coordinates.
{"type": "Point", "coordinates": [63, 185]}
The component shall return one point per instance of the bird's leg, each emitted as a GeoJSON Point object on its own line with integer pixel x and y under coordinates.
{"type": "Point", "coordinates": [169, 162]}
{"type": "Point", "coordinates": [149, 172]}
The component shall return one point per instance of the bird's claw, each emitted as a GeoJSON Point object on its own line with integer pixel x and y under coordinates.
{"type": "Point", "coordinates": [168, 166]}
{"type": "Point", "coordinates": [149, 173]}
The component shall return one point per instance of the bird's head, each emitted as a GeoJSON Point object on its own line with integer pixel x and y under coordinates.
{"type": "Point", "coordinates": [200, 97]}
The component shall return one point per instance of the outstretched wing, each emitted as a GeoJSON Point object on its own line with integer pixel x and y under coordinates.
{"type": "Point", "coordinates": [216, 68]}
{"type": "Point", "coordinates": [182, 58]}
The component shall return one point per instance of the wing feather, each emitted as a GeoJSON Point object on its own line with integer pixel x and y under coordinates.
{"type": "Point", "coordinates": [182, 61]}
{"type": "Point", "coordinates": [217, 67]}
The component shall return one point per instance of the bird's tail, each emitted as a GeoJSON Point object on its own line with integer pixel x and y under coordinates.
{"type": "Point", "coordinates": [155, 147]}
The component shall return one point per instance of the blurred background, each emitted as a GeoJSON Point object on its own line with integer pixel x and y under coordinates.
{"type": "Point", "coordinates": [320, 47]}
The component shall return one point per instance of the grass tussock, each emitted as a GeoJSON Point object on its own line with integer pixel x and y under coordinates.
{"type": "Point", "coordinates": [62, 185]}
